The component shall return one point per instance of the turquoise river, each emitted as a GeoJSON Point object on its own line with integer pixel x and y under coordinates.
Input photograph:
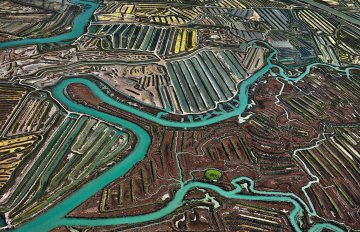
{"type": "Point", "coordinates": [56, 215]}
{"type": "Point", "coordinates": [78, 28]}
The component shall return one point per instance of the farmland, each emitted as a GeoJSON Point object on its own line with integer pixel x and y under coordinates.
{"type": "Point", "coordinates": [174, 115]}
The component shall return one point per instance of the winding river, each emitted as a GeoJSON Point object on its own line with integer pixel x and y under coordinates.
{"type": "Point", "coordinates": [56, 215]}
{"type": "Point", "coordinates": [78, 27]}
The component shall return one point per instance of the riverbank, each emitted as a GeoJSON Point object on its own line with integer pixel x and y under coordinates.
{"type": "Point", "coordinates": [78, 28]}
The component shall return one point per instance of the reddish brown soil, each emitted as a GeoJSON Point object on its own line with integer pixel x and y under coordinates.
{"type": "Point", "coordinates": [260, 148]}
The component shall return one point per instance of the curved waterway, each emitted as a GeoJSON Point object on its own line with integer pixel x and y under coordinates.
{"type": "Point", "coordinates": [55, 216]}
{"type": "Point", "coordinates": [78, 27]}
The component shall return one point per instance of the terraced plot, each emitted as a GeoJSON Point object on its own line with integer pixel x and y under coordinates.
{"type": "Point", "coordinates": [70, 155]}
{"type": "Point", "coordinates": [12, 152]}
{"type": "Point", "coordinates": [210, 77]}
{"type": "Point", "coordinates": [36, 115]}
{"type": "Point", "coordinates": [9, 99]}
{"type": "Point", "coordinates": [163, 40]}
{"type": "Point", "coordinates": [252, 217]}
{"type": "Point", "coordinates": [335, 162]}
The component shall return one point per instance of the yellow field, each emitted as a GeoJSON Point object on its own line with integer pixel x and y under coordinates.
{"type": "Point", "coordinates": [182, 36]}
{"type": "Point", "coordinates": [12, 151]}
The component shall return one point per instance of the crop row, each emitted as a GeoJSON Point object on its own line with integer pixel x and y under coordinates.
{"type": "Point", "coordinates": [148, 38]}
{"type": "Point", "coordinates": [70, 155]}
{"type": "Point", "coordinates": [205, 79]}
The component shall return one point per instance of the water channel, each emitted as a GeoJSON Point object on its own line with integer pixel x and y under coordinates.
{"type": "Point", "coordinates": [55, 216]}
{"type": "Point", "coordinates": [78, 27]}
